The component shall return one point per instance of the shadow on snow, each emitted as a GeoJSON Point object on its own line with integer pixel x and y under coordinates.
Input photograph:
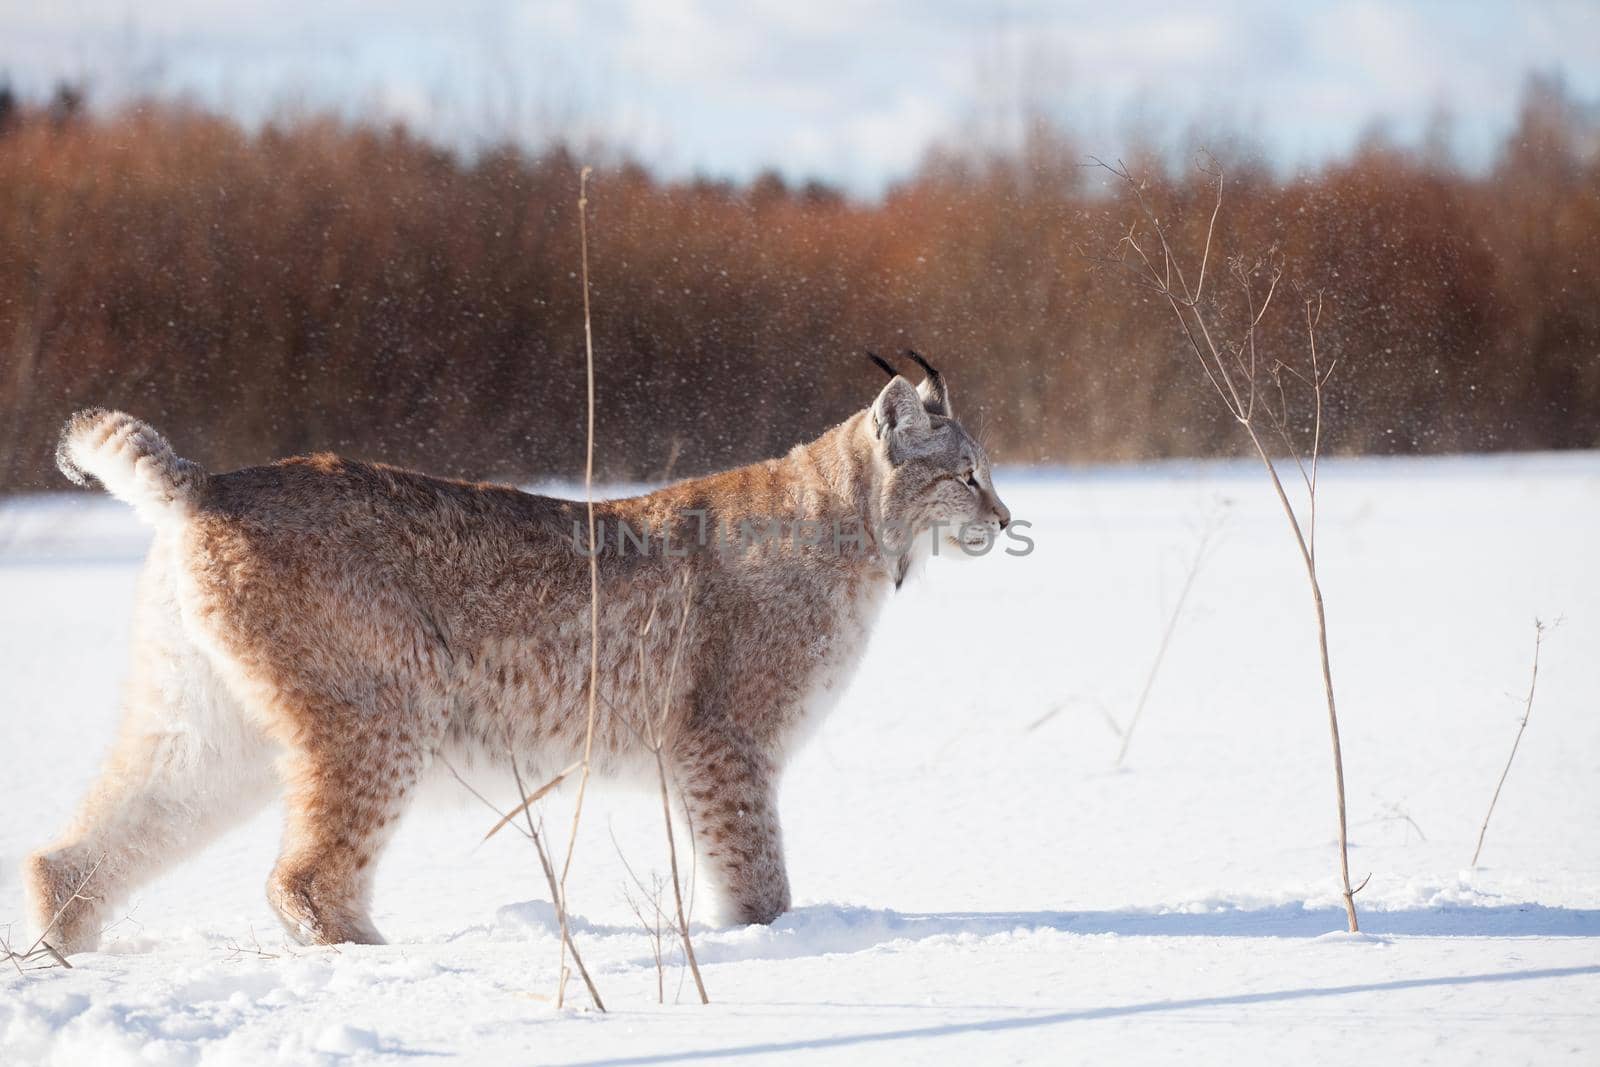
{"type": "Point", "coordinates": [1024, 1022]}
{"type": "Point", "coordinates": [825, 929]}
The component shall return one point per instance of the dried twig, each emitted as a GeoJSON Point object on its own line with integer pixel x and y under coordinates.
{"type": "Point", "coordinates": [1172, 624]}
{"type": "Point", "coordinates": [534, 834]}
{"type": "Point", "coordinates": [237, 951]}
{"type": "Point", "coordinates": [654, 925]}
{"type": "Point", "coordinates": [656, 728]}
{"type": "Point", "coordinates": [677, 885]}
{"type": "Point", "coordinates": [527, 801]}
{"type": "Point", "coordinates": [1395, 813]}
{"type": "Point", "coordinates": [650, 731]}
{"type": "Point", "coordinates": [1062, 705]}
{"type": "Point", "coordinates": [558, 898]}
{"type": "Point", "coordinates": [1527, 710]}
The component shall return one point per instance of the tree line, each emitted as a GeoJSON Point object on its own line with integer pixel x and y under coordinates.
{"type": "Point", "coordinates": [318, 284]}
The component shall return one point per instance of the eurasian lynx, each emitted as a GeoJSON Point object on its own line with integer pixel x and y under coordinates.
{"type": "Point", "coordinates": [332, 628]}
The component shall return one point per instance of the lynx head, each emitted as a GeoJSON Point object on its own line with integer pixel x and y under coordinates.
{"type": "Point", "coordinates": [933, 482]}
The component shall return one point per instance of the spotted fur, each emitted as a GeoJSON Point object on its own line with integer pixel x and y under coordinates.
{"type": "Point", "coordinates": [331, 629]}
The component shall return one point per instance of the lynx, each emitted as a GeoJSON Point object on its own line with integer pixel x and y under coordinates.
{"type": "Point", "coordinates": [332, 629]}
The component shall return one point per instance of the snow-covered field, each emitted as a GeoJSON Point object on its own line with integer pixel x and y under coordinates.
{"type": "Point", "coordinates": [974, 880]}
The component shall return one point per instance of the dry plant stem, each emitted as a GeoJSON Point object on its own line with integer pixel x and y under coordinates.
{"type": "Point", "coordinates": [686, 906]}
{"type": "Point", "coordinates": [1527, 710]}
{"type": "Point", "coordinates": [677, 885]}
{"type": "Point", "coordinates": [651, 730]}
{"type": "Point", "coordinates": [1327, 672]}
{"type": "Point", "coordinates": [1228, 375]}
{"type": "Point", "coordinates": [528, 801]}
{"type": "Point", "coordinates": [1166, 639]}
{"type": "Point", "coordinates": [559, 898]}
{"type": "Point", "coordinates": [653, 928]}
{"type": "Point", "coordinates": [594, 564]}
{"type": "Point", "coordinates": [657, 741]}
{"type": "Point", "coordinates": [532, 834]}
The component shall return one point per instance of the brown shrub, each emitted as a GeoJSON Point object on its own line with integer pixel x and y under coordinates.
{"type": "Point", "coordinates": [323, 285]}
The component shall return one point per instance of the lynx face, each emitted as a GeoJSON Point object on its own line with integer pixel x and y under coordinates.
{"type": "Point", "coordinates": [935, 475]}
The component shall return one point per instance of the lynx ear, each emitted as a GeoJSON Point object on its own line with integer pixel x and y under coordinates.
{"type": "Point", "coordinates": [935, 394]}
{"type": "Point", "coordinates": [898, 413]}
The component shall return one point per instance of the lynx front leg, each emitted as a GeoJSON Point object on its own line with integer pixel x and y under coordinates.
{"type": "Point", "coordinates": [730, 789]}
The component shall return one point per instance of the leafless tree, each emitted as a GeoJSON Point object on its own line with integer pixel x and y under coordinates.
{"type": "Point", "coordinates": [1253, 390]}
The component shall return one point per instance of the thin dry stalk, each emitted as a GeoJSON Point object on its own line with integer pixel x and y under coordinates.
{"type": "Point", "coordinates": [528, 801]}
{"type": "Point", "coordinates": [1062, 705]}
{"type": "Point", "coordinates": [1166, 636]}
{"type": "Point", "coordinates": [1395, 813]}
{"type": "Point", "coordinates": [1527, 711]}
{"type": "Point", "coordinates": [594, 568]}
{"type": "Point", "coordinates": [651, 731]}
{"type": "Point", "coordinates": [686, 905]}
{"type": "Point", "coordinates": [654, 926]}
{"type": "Point", "coordinates": [677, 884]}
{"type": "Point", "coordinates": [558, 897]}
{"type": "Point", "coordinates": [1234, 372]}
{"type": "Point", "coordinates": [557, 900]}
{"type": "Point", "coordinates": [237, 951]}
{"type": "Point", "coordinates": [655, 736]}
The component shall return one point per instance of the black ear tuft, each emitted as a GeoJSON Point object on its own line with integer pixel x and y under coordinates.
{"type": "Point", "coordinates": [881, 362]}
{"type": "Point", "coordinates": [915, 357]}
{"type": "Point", "coordinates": [935, 394]}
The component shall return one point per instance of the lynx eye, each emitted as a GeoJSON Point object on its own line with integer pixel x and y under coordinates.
{"type": "Point", "coordinates": [972, 479]}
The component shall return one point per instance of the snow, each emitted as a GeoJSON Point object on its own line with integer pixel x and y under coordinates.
{"type": "Point", "coordinates": [974, 879]}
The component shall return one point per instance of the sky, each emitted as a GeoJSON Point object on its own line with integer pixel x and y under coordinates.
{"type": "Point", "coordinates": [851, 91]}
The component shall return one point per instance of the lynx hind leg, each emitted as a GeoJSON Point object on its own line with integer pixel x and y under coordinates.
{"type": "Point", "coordinates": [177, 778]}
{"type": "Point", "coordinates": [730, 790]}
{"type": "Point", "coordinates": [348, 787]}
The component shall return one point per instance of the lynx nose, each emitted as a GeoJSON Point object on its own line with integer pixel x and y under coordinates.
{"type": "Point", "coordinates": [1002, 513]}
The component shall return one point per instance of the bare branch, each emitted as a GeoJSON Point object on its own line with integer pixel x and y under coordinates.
{"type": "Point", "coordinates": [1211, 227]}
